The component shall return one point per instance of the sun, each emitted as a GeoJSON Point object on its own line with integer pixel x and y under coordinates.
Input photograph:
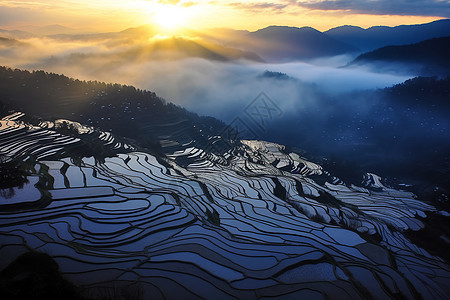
{"type": "Point", "coordinates": [170, 17]}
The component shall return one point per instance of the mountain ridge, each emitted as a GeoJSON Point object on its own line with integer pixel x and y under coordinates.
{"type": "Point", "coordinates": [380, 36]}
{"type": "Point", "coordinates": [283, 43]}
{"type": "Point", "coordinates": [272, 43]}
{"type": "Point", "coordinates": [429, 57]}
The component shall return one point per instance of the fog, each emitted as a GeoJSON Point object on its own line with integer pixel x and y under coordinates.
{"type": "Point", "coordinates": [320, 106]}
{"type": "Point", "coordinates": [194, 79]}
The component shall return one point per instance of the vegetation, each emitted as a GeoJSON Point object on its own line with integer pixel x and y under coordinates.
{"type": "Point", "coordinates": [35, 275]}
{"type": "Point", "coordinates": [431, 55]}
{"type": "Point", "coordinates": [124, 110]}
{"type": "Point", "coordinates": [12, 174]}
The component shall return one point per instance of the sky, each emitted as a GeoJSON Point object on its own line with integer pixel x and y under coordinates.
{"type": "Point", "coordinates": [109, 15]}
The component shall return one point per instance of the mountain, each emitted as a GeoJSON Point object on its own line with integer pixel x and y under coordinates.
{"type": "Point", "coordinates": [381, 36]}
{"type": "Point", "coordinates": [399, 131]}
{"type": "Point", "coordinates": [53, 29]}
{"type": "Point", "coordinates": [137, 45]}
{"type": "Point", "coordinates": [7, 42]}
{"type": "Point", "coordinates": [137, 115]}
{"type": "Point", "coordinates": [178, 47]}
{"type": "Point", "coordinates": [272, 44]}
{"type": "Point", "coordinates": [224, 36]}
{"type": "Point", "coordinates": [430, 57]}
{"type": "Point", "coordinates": [282, 43]}
{"type": "Point", "coordinates": [144, 31]}
{"type": "Point", "coordinates": [15, 34]}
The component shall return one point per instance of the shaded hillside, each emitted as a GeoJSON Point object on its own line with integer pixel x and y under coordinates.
{"type": "Point", "coordinates": [177, 48]}
{"type": "Point", "coordinates": [380, 36]}
{"type": "Point", "coordinates": [123, 110]}
{"type": "Point", "coordinates": [35, 275]}
{"type": "Point", "coordinates": [13, 34]}
{"type": "Point", "coordinates": [7, 42]}
{"type": "Point", "coordinates": [430, 57]}
{"type": "Point", "coordinates": [401, 132]}
{"type": "Point", "coordinates": [426, 92]}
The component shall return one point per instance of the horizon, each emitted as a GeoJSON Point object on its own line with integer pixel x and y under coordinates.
{"type": "Point", "coordinates": [33, 29]}
{"type": "Point", "coordinates": [172, 16]}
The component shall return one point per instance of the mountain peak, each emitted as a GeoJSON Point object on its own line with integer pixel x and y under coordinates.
{"type": "Point", "coordinates": [286, 29]}
{"type": "Point", "coordinates": [283, 43]}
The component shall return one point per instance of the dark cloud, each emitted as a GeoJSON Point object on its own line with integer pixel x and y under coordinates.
{"type": "Point", "coordinates": [439, 8]}
{"type": "Point", "coordinates": [258, 6]}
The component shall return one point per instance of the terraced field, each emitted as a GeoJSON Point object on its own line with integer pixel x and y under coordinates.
{"type": "Point", "coordinates": [251, 224]}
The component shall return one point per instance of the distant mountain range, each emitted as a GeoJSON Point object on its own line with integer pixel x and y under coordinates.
{"type": "Point", "coordinates": [430, 57]}
{"type": "Point", "coordinates": [273, 43]}
{"type": "Point", "coordinates": [129, 49]}
{"type": "Point", "coordinates": [380, 36]}
{"type": "Point", "coordinates": [281, 43]}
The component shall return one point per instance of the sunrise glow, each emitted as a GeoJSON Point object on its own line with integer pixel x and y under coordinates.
{"type": "Point", "coordinates": [199, 15]}
{"type": "Point", "coordinates": [170, 17]}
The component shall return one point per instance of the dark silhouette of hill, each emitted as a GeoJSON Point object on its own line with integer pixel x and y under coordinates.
{"type": "Point", "coordinates": [55, 29]}
{"type": "Point", "coordinates": [425, 92]}
{"type": "Point", "coordinates": [430, 57]}
{"type": "Point", "coordinates": [275, 75]}
{"type": "Point", "coordinates": [400, 132]}
{"type": "Point", "coordinates": [282, 43]}
{"type": "Point", "coordinates": [144, 31]}
{"type": "Point", "coordinates": [123, 110]}
{"type": "Point", "coordinates": [12, 34]}
{"type": "Point", "coordinates": [139, 44]}
{"type": "Point", "coordinates": [178, 47]}
{"type": "Point", "coordinates": [9, 42]}
{"type": "Point", "coordinates": [380, 36]}
{"type": "Point", "coordinates": [35, 275]}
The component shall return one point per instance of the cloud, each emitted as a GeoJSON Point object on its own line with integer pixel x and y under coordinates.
{"type": "Point", "coordinates": [323, 107]}
{"type": "Point", "coordinates": [206, 86]}
{"type": "Point", "coordinates": [258, 6]}
{"type": "Point", "coordinates": [181, 3]}
{"type": "Point", "coordinates": [171, 2]}
{"type": "Point", "coordinates": [188, 4]}
{"type": "Point", "coordinates": [439, 8]}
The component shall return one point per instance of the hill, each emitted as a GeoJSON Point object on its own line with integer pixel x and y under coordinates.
{"type": "Point", "coordinates": [430, 57]}
{"type": "Point", "coordinates": [124, 110]}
